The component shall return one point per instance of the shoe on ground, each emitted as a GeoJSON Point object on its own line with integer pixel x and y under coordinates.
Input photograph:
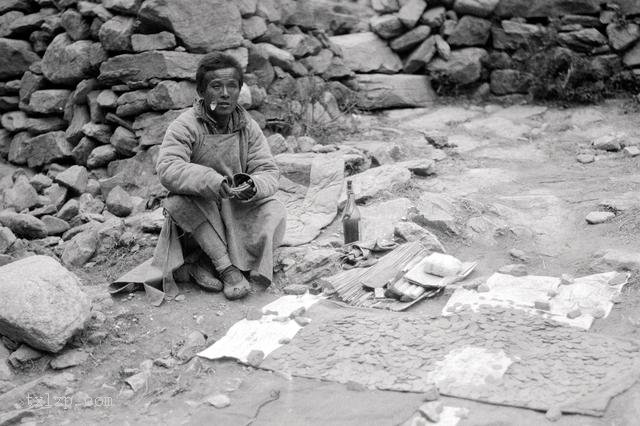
{"type": "Point", "coordinates": [236, 285]}
{"type": "Point", "coordinates": [204, 277]}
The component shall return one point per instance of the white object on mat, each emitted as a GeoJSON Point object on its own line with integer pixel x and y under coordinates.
{"type": "Point", "coordinates": [263, 334]}
{"type": "Point", "coordinates": [589, 294]}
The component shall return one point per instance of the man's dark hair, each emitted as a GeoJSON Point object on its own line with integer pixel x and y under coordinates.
{"type": "Point", "coordinates": [215, 61]}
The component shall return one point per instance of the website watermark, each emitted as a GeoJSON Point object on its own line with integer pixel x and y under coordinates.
{"type": "Point", "coordinates": [66, 402]}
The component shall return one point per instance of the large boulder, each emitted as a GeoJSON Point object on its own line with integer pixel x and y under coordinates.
{"type": "Point", "coordinates": [381, 91]}
{"type": "Point", "coordinates": [147, 65]}
{"type": "Point", "coordinates": [15, 58]}
{"type": "Point", "coordinates": [366, 52]}
{"type": "Point", "coordinates": [463, 67]}
{"type": "Point", "coordinates": [202, 25]}
{"type": "Point", "coordinates": [57, 306]}
{"type": "Point", "coordinates": [69, 62]}
{"type": "Point", "coordinates": [470, 31]}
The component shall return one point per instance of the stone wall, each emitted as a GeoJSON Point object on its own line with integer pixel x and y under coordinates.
{"type": "Point", "coordinates": [87, 89]}
{"type": "Point", "coordinates": [491, 45]}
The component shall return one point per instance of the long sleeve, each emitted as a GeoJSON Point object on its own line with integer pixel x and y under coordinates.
{"type": "Point", "coordinates": [260, 163]}
{"type": "Point", "coordinates": [174, 167]}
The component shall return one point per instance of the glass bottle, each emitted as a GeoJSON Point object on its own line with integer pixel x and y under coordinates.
{"type": "Point", "coordinates": [351, 217]}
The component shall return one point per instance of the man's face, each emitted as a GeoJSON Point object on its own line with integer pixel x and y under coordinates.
{"type": "Point", "coordinates": [222, 89]}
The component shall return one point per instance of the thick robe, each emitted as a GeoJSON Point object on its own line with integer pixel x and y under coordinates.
{"type": "Point", "coordinates": [193, 161]}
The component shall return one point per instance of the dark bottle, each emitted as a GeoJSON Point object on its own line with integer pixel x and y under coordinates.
{"type": "Point", "coordinates": [351, 217]}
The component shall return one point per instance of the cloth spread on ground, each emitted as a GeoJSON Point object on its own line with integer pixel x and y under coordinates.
{"type": "Point", "coordinates": [312, 206]}
{"type": "Point", "coordinates": [588, 296]}
{"type": "Point", "coordinates": [264, 334]}
{"type": "Point", "coordinates": [192, 164]}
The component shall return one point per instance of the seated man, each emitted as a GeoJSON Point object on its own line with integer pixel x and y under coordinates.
{"type": "Point", "coordinates": [218, 168]}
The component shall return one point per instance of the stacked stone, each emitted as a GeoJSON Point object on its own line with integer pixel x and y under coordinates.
{"type": "Point", "coordinates": [87, 90]}
{"type": "Point", "coordinates": [465, 42]}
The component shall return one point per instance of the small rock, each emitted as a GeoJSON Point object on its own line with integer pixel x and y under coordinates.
{"type": "Point", "coordinates": [542, 305]}
{"type": "Point", "coordinates": [179, 298]}
{"type": "Point", "coordinates": [431, 394]}
{"type": "Point", "coordinates": [585, 158]}
{"type": "Point", "coordinates": [69, 210]}
{"type": "Point", "coordinates": [254, 314]}
{"type": "Point", "coordinates": [295, 289]}
{"type": "Point", "coordinates": [255, 358]}
{"type": "Point", "coordinates": [138, 381]}
{"type": "Point", "coordinates": [119, 202]}
{"type": "Point", "coordinates": [595, 218]}
{"type": "Point", "coordinates": [74, 178]}
{"type": "Point", "coordinates": [553, 414]}
{"type": "Point", "coordinates": [517, 270]}
{"type": "Point", "coordinates": [431, 411]}
{"type": "Point", "coordinates": [574, 313]}
{"type": "Point", "coordinates": [518, 254]}
{"type": "Point", "coordinates": [566, 279]}
{"type": "Point", "coordinates": [302, 321]}
{"type": "Point", "coordinates": [23, 355]}
{"type": "Point", "coordinates": [167, 362]}
{"type": "Point", "coordinates": [552, 293]}
{"type": "Point", "coordinates": [219, 400]}
{"type": "Point", "coordinates": [81, 248]}
{"type": "Point", "coordinates": [97, 337]}
{"type": "Point", "coordinates": [608, 143]}
{"type": "Point", "coordinates": [472, 285]}
{"type": "Point", "coordinates": [598, 313]}
{"type": "Point", "coordinates": [69, 359]}
{"type": "Point", "coordinates": [631, 151]}
{"type": "Point", "coordinates": [483, 288]}
{"type": "Point", "coordinates": [284, 341]}
{"type": "Point", "coordinates": [40, 182]}
{"type": "Point", "coordinates": [194, 342]}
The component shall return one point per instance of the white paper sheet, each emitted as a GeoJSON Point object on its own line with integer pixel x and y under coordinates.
{"type": "Point", "coordinates": [589, 293]}
{"type": "Point", "coordinates": [263, 334]}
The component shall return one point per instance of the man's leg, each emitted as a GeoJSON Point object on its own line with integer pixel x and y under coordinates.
{"type": "Point", "coordinates": [235, 284]}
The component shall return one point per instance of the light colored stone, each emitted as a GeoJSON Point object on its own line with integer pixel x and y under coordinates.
{"type": "Point", "coordinates": [50, 101]}
{"type": "Point", "coordinates": [386, 26]}
{"type": "Point", "coordinates": [80, 249]}
{"type": "Point", "coordinates": [436, 211]}
{"type": "Point", "coordinates": [375, 180]}
{"type": "Point", "coordinates": [101, 156]}
{"type": "Point", "coordinates": [119, 202]}
{"type": "Point", "coordinates": [75, 178]}
{"type": "Point", "coordinates": [381, 91]}
{"type": "Point", "coordinates": [58, 308]}
{"type": "Point", "coordinates": [70, 358]}
{"type": "Point", "coordinates": [595, 218]}
{"type": "Point", "coordinates": [385, 6]}
{"type": "Point", "coordinates": [409, 231]}
{"type": "Point", "coordinates": [617, 259]}
{"type": "Point", "coordinates": [366, 53]}
{"type": "Point", "coordinates": [609, 142]}
{"type": "Point", "coordinates": [107, 99]}
{"type": "Point", "coordinates": [411, 11]}
{"type": "Point", "coordinates": [115, 34]}
{"type": "Point", "coordinates": [144, 66]}
{"type": "Point", "coordinates": [482, 8]}
{"type": "Point", "coordinates": [201, 25]}
{"type": "Point", "coordinates": [434, 17]}
{"type": "Point", "coordinates": [54, 225]}
{"type": "Point", "coordinates": [171, 95]}
{"type": "Point", "coordinates": [622, 36]}
{"type": "Point", "coordinates": [21, 195]}
{"type": "Point", "coordinates": [219, 400]}
{"type": "Point", "coordinates": [470, 31]}
{"type": "Point", "coordinates": [410, 39]}
{"type": "Point", "coordinates": [631, 151]}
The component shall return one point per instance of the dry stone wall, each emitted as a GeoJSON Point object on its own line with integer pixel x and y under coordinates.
{"type": "Point", "coordinates": [491, 45]}
{"type": "Point", "coordinates": [87, 89]}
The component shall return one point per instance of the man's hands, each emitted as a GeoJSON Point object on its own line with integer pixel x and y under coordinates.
{"type": "Point", "coordinates": [244, 191]}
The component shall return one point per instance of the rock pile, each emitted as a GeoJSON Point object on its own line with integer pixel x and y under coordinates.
{"type": "Point", "coordinates": [460, 42]}
{"type": "Point", "coordinates": [87, 89]}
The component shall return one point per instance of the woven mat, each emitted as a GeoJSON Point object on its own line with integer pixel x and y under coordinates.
{"type": "Point", "coordinates": [495, 355]}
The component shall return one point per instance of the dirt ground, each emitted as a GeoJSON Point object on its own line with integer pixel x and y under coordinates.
{"type": "Point", "coordinates": [521, 157]}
